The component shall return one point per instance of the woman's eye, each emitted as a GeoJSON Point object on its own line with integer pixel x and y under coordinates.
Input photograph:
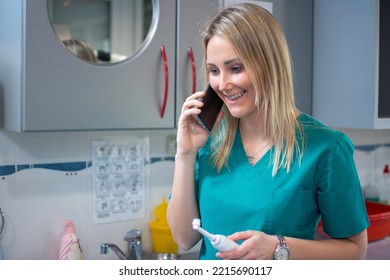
{"type": "Point", "coordinates": [213, 71]}
{"type": "Point", "coordinates": [237, 68]}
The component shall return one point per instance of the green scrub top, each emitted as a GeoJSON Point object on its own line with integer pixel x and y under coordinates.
{"type": "Point", "coordinates": [324, 185]}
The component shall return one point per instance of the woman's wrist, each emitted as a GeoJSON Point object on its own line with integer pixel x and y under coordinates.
{"type": "Point", "coordinates": [185, 155]}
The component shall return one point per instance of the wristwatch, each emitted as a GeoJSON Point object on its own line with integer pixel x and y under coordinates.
{"type": "Point", "coordinates": [282, 251]}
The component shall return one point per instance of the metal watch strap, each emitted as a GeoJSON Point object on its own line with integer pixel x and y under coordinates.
{"type": "Point", "coordinates": [281, 246]}
{"type": "Point", "coordinates": [281, 240]}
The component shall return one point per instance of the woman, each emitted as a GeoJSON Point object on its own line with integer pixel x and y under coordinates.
{"type": "Point", "coordinates": [268, 172]}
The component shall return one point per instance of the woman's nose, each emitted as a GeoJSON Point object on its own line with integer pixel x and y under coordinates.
{"type": "Point", "coordinates": [224, 82]}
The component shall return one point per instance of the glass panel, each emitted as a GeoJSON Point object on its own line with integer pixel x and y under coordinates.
{"type": "Point", "coordinates": [101, 31]}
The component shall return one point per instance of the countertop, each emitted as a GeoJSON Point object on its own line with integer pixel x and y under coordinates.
{"type": "Point", "coordinates": [379, 249]}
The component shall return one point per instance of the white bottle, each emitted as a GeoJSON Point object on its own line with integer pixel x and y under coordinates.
{"type": "Point", "coordinates": [384, 186]}
{"type": "Point", "coordinates": [218, 241]}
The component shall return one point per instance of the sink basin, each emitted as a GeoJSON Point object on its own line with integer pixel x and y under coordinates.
{"type": "Point", "coordinates": [163, 256]}
{"type": "Point", "coordinates": [147, 255]}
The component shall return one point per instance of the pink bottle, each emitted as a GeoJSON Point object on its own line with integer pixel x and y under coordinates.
{"type": "Point", "coordinates": [69, 248]}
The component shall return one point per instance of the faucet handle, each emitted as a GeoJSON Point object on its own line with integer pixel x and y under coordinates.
{"type": "Point", "coordinates": [134, 244]}
{"type": "Point", "coordinates": [133, 234]}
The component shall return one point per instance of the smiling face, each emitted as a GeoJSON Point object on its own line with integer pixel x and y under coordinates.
{"type": "Point", "coordinates": [229, 78]}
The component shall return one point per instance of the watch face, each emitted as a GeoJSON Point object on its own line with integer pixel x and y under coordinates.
{"type": "Point", "coordinates": [282, 253]}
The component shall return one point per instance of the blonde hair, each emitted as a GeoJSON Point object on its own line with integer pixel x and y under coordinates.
{"type": "Point", "coordinates": [80, 49]}
{"type": "Point", "coordinates": [260, 43]}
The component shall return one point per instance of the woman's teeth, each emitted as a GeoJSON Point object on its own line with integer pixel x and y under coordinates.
{"type": "Point", "coordinates": [235, 96]}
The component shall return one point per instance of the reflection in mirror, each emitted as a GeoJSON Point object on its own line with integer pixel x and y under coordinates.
{"type": "Point", "coordinates": [81, 49]}
{"type": "Point", "coordinates": [112, 29]}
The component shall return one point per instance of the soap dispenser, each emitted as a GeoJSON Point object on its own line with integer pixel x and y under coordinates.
{"type": "Point", "coordinates": [69, 248]}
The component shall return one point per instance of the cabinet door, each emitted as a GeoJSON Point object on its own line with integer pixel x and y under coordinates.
{"type": "Point", "coordinates": [348, 84]}
{"type": "Point", "coordinates": [62, 92]}
{"type": "Point", "coordinates": [191, 15]}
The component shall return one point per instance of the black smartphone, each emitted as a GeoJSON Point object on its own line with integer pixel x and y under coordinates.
{"type": "Point", "coordinates": [210, 110]}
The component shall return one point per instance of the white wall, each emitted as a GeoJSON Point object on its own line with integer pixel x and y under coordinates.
{"type": "Point", "coordinates": [372, 152]}
{"type": "Point", "coordinates": [37, 202]}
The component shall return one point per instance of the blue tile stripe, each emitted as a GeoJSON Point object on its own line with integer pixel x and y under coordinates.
{"type": "Point", "coordinates": [7, 170]}
{"type": "Point", "coordinates": [157, 159]}
{"type": "Point", "coordinates": [370, 148]}
{"type": "Point", "coordinates": [65, 166]}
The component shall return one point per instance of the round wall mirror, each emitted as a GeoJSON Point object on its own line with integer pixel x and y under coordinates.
{"type": "Point", "coordinates": [102, 31]}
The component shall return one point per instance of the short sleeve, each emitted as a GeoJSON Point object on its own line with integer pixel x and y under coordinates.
{"type": "Point", "coordinates": [340, 199]}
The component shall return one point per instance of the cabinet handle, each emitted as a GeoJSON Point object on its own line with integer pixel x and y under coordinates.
{"type": "Point", "coordinates": [164, 58]}
{"type": "Point", "coordinates": [193, 68]}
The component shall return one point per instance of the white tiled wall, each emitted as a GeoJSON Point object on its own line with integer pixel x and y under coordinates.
{"type": "Point", "coordinates": [37, 202]}
{"type": "Point", "coordinates": [371, 154]}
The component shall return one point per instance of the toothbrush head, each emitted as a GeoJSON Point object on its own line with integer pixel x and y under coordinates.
{"type": "Point", "coordinates": [195, 223]}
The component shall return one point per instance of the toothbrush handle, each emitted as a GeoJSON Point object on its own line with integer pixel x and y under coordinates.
{"type": "Point", "coordinates": [222, 243]}
{"type": "Point", "coordinates": [205, 233]}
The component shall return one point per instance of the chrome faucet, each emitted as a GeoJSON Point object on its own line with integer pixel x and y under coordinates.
{"type": "Point", "coordinates": [134, 246]}
{"type": "Point", "coordinates": [104, 250]}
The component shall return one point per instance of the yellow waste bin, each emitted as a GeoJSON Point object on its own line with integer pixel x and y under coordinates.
{"type": "Point", "coordinates": [162, 240]}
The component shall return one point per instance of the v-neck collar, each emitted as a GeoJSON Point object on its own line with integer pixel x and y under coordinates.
{"type": "Point", "coordinates": [241, 154]}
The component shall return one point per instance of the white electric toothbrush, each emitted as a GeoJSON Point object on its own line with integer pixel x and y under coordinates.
{"type": "Point", "coordinates": [219, 241]}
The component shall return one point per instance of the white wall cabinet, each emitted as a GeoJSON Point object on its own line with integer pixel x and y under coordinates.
{"type": "Point", "coordinates": [46, 88]}
{"type": "Point", "coordinates": [351, 64]}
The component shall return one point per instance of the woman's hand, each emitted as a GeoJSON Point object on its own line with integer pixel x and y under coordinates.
{"type": "Point", "coordinates": [256, 245]}
{"type": "Point", "coordinates": [190, 134]}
